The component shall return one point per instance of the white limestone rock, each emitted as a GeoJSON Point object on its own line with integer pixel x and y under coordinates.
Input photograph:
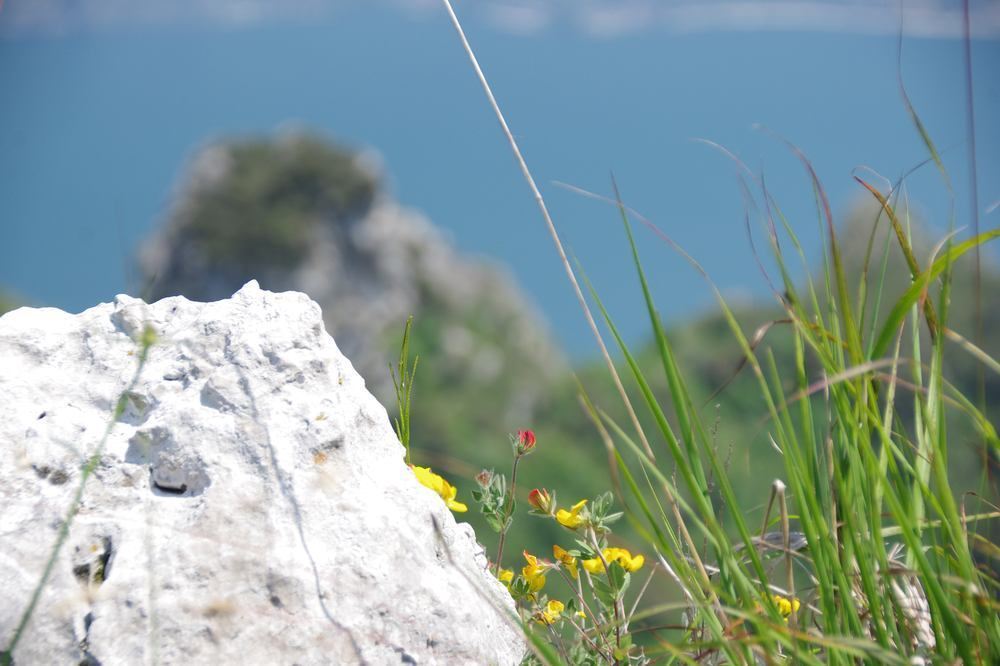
{"type": "Point", "coordinates": [251, 505]}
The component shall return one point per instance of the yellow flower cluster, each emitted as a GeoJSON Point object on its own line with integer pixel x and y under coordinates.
{"type": "Point", "coordinates": [619, 555]}
{"type": "Point", "coordinates": [785, 606]}
{"type": "Point", "coordinates": [437, 483]}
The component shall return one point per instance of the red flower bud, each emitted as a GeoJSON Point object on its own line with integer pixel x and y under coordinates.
{"type": "Point", "coordinates": [540, 500]}
{"type": "Point", "coordinates": [525, 441]}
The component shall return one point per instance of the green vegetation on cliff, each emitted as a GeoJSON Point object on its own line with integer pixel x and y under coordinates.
{"type": "Point", "coordinates": [7, 302]}
{"type": "Point", "coordinates": [260, 215]}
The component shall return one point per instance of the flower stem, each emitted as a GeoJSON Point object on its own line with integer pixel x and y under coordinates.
{"type": "Point", "coordinates": [590, 613]}
{"type": "Point", "coordinates": [619, 611]}
{"type": "Point", "coordinates": [508, 509]}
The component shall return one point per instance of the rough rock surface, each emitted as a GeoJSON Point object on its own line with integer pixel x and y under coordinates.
{"type": "Point", "coordinates": [251, 505]}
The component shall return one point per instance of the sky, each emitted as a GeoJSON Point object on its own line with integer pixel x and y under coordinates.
{"type": "Point", "coordinates": [104, 103]}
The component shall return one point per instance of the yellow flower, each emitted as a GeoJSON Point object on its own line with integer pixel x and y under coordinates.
{"type": "Point", "coordinates": [785, 606]}
{"type": "Point", "coordinates": [566, 560]}
{"type": "Point", "coordinates": [533, 572]}
{"type": "Point", "coordinates": [571, 518]}
{"type": "Point", "coordinates": [619, 555]}
{"type": "Point", "coordinates": [436, 483]}
{"type": "Point", "coordinates": [506, 576]}
{"type": "Point", "coordinates": [552, 611]}
{"type": "Point", "coordinates": [580, 614]}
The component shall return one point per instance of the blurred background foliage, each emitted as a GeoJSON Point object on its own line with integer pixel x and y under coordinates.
{"type": "Point", "coordinates": [298, 211]}
{"type": "Point", "coordinates": [251, 208]}
{"type": "Point", "coordinates": [7, 302]}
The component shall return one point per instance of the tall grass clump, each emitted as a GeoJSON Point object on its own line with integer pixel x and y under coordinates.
{"type": "Point", "coordinates": [866, 552]}
{"type": "Point", "coordinates": [402, 381]}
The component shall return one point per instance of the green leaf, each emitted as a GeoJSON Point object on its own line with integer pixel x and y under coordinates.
{"type": "Point", "coordinates": [494, 523]}
{"type": "Point", "coordinates": [616, 574]}
{"type": "Point", "coordinates": [604, 592]}
{"type": "Point", "coordinates": [920, 285]}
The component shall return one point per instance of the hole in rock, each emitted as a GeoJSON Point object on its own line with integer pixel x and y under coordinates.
{"type": "Point", "coordinates": [136, 409]}
{"type": "Point", "coordinates": [404, 657]}
{"type": "Point", "coordinates": [92, 562]}
{"type": "Point", "coordinates": [175, 470]}
{"type": "Point", "coordinates": [89, 660]}
{"type": "Point", "coordinates": [140, 449]}
{"type": "Point", "coordinates": [215, 397]}
{"type": "Point", "coordinates": [171, 490]}
{"type": "Point", "coordinates": [175, 476]}
{"type": "Point", "coordinates": [176, 376]}
{"type": "Point", "coordinates": [55, 475]}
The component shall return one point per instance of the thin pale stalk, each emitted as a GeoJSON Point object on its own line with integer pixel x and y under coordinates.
{"type": "Point", "coordinates": [550, 225]}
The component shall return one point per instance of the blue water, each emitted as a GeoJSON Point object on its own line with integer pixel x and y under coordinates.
{"type": "Point", "coordinates": [96, 127]}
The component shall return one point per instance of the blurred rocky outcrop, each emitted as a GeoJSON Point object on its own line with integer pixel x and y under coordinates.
{"type": "Point", "coordinates": [299, 213]}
